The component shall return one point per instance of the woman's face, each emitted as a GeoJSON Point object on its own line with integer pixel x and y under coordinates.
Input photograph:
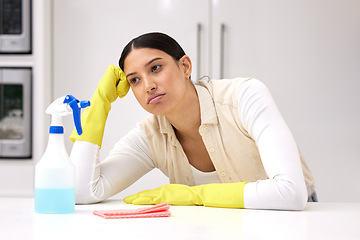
{"type": "Point", "coordinates": [158, 81]}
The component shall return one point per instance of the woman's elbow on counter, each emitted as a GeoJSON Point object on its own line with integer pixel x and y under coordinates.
{"type": "Point", "coordinates": [86, 196]}
{"type": "Point", "coordinates": [83, 200]}
{"type": "Point", "coordinates": [299, 202]}
{"type": "Point", "coordinates": [297, 198]}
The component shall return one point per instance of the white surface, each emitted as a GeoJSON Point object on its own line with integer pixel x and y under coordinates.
{"type": "Point", "coordinates": [318, 221]}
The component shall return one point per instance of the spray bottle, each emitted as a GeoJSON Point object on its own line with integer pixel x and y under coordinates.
{"type": "Point", "coordinates": [55, 173]}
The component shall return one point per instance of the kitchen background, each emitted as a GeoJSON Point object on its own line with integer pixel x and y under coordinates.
{"type": "Point", "coordinates": [306, 51]}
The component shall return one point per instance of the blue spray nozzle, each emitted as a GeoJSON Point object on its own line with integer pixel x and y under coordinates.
{"type": "Point", "coordinates": [84, 104]}
{"type": "Point", "coordinates": [76, 106]}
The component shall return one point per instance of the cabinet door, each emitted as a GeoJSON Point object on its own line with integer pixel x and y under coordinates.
{"type": "Point", "coordinates": [90, 35]}
{"type": "Point", "coordinates": [233, 38]}
{"type": "Point", "coordinates": [258, 38]}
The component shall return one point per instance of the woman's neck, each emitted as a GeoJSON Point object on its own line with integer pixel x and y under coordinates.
{"type": "Point", "coordinates": [187, 118]}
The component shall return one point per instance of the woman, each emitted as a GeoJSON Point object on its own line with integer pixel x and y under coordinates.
{"type": "Point", "coordinates": [222, 143]}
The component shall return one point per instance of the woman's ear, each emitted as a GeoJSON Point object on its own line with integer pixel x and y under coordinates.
{"type": "Point", "coordinates": [185, 65]}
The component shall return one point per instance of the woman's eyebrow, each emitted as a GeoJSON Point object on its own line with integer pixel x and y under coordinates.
{"type": "Point", "coordinates": [153, 60]}
{"type": "Point", "coordinates": [147, 64]}
{"type": "Point", "coordinates": [133, 73]}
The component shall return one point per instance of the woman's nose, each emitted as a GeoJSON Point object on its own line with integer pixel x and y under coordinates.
{"type": "Point", "coordinates": [150, 84]}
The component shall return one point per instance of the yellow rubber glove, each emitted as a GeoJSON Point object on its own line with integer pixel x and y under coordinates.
{"type": "Point", "coordinates": [112, 84]}
{"type": "Point", "coordinates": [226, 195]}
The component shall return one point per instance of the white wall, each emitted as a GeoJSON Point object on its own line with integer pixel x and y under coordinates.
{"type": "Point", "coordinates": [315, 82]}
{"type": "Point", "coordinates": [307, 52]}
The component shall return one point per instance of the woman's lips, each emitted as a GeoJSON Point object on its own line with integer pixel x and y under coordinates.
{"type": "Point", "coordinates": [155, 98]}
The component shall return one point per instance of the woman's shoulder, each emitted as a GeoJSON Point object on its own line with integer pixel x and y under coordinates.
{"type": "Point", "coordinates": [225, 82]}
{"type": "Point", "coordinates": [222, 87]}
{"type": "Point", "coordinates": [233, 86]}
{"type": "Point", "coordinates": [224, 90]}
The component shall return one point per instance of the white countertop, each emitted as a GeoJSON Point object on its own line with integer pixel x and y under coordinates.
{"type": "Point", "coordinates": [318, 221]}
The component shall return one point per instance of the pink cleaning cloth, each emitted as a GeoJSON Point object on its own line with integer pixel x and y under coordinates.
{"type": "Point", "coordinates": [160, 210]}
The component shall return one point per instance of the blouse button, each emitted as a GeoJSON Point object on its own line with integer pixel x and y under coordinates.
{"type": "Point", "coordinates": [212, 149]}
{"type": "Point", "coordinates": [203, 129]}
{"type": "Point", "coordinates": [223, 174]}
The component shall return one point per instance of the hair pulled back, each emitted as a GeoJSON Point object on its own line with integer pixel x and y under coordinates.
{"type": "Point", "coordinates": [154, 40]}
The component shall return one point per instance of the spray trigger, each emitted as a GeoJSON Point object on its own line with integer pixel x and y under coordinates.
{"type": "Point", "coordinates": [76, 106]}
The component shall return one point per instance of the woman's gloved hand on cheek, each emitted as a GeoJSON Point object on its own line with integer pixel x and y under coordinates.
{"type": "Point", "coordinates": [113, 84]}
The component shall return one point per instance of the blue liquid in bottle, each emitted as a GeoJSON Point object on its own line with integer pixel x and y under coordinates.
{"type": "Point", "coordinates": [56, 201]}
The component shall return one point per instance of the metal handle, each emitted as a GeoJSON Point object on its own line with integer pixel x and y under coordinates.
{"type": "Point", "coordinates": [222, 49]}
{"type": "Point", "coordinates": [198, 53]}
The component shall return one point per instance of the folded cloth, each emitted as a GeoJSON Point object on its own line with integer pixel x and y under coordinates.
{"type": "Point", "coordinates": [160, 210]}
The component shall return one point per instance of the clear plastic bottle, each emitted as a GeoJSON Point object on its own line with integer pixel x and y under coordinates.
{"type": "Point", "coordinates": [55, 177]}
{"type": "Point", "coordinates": [55, 173]}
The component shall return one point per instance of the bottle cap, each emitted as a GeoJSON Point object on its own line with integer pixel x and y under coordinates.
{"type": "Point", "coordinates": [56, 129]}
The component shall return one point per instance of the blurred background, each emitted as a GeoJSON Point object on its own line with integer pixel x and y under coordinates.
{"type": "Point", "coordinates": [307, 53]}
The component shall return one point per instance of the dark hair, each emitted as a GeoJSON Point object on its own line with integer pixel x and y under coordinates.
{"type": "Point", "coordinates": [154, 40]}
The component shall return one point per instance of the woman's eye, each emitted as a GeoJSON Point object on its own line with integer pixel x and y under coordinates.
{"type": "Point", "coordinates": [155, 68]}
{"type": "Point", "coordinates": [134, 80]}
